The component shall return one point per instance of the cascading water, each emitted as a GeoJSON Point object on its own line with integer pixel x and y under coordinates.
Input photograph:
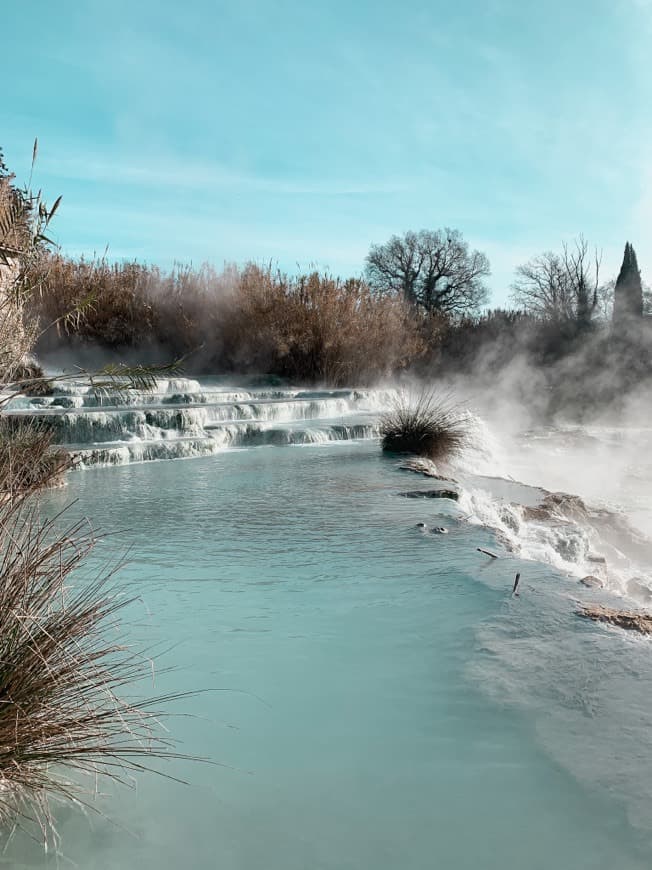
{"type": "Point", "coordinates": [185, 418]}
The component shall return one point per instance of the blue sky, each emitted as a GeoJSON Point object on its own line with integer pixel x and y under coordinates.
{"type": "Point", "coordinates": [301, 132]}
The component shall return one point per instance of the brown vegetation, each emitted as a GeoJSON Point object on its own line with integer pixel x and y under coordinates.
{"type": "Point", "coordinates": [15, 233]}
{"type": "Point", "coordinates": [62, 667]}
{"type": "Point", "coordinates": [311, 328]}
{"type": "Point", "coordinates": [422, 316]}
{"type": "Point", "coordinates": [28, 460]}
{"type": "Point", "coordinates": [316, 328]}
{"type": "Point", "coordinates": [63, 661]}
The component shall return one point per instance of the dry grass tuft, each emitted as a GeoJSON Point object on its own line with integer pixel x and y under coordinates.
{"type": "Point", "coordinates": [61, 669]}
{"type": "Point", "coordinates": [28, 460]}
{"type": "Point", "coordinates": [425, 424]}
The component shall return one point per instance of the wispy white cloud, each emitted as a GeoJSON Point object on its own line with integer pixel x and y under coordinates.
{"type": "Point", "coordinates": [161, 173]}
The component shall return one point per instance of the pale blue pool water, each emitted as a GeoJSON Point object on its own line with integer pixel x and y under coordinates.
{"type": "Point", "coordinates": [380, 700]}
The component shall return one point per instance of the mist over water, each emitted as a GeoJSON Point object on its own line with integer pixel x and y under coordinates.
{"type": "Point", "coordinates": [381, 699]}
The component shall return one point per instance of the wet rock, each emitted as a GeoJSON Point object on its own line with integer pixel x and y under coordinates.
{"type": "Point", "coordinates": [630, 620]}
{"type": "Point", "coordinates": [592, 582]}
{"type": "Point", "coordinates": [426, 467]}
{"type": "Point", "coordinates": [431, 493]}
{"type": "Point", "coordinates": [510, 519]}
{"type": "Point", "coordinates": [570, 542]}
{"type": "Point", "coordinates": [557, 505]}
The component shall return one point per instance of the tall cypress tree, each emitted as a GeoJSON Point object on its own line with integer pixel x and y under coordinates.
{"type": "Point", "coordinates": [628, 293]}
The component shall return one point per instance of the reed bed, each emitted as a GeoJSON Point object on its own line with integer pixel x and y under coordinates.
{"type": "Point", "coordinates": [311, 328]}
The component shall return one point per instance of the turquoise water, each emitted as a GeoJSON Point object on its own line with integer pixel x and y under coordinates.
{"type": "Point", "coordinates": [378, 700]}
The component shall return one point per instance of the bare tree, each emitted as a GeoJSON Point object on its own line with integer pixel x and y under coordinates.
{"type": "Point", "coordinates": [564, 286]}
{"type": "Point", "coordinates": [433, 269]}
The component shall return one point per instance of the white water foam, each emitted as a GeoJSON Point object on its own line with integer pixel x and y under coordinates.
{"type": "Point", "coordinates": [592, 538]}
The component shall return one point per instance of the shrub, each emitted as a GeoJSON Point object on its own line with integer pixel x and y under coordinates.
{"type": "Point", "coordinates": [426, 425]}
{"type": "Point", "coordinates": [28, 461]}
{"type": "Point", "coordinates": [31, 379]}
{"type": "Point", "coordinates": [97, 301]}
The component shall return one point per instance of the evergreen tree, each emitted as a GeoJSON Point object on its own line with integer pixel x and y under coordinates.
{"type": "Point", "coordinates": [628, 293]}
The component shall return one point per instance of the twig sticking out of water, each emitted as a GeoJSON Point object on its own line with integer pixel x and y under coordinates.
{"type": "Point", "coordinates": [487, 553]}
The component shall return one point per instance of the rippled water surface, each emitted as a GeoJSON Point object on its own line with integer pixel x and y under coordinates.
{"type": "Point", "coordinates": [378, 700]}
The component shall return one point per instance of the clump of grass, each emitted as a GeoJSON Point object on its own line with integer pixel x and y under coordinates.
{"type": "Point", "coordinates": [28, 460]}
{"type": "Point", "coordinates": [425, 424]}
{"type": "Point", "coordinates": [30, 378]}
{"type": "Point", "coordinates": [61, 669]}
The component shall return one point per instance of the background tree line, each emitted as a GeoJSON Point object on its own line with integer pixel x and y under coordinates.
{"type": "Point", "coordinates": [420, 306]}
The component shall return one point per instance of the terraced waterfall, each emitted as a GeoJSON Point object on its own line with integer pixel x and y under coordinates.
{"type": "Point", "coordinates": [184, 418]}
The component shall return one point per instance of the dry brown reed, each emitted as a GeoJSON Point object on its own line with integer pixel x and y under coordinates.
{"type": "Point", "coordinates": [63, 666]}
{"type": "Point", "coordinates": [310, 328]}
{"type": "Point", "coordinates": [15, 234]}
{"type": "Point", "coordinates": [316, 328]}
{"type": "Point", "coordinates": [102, 302]}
